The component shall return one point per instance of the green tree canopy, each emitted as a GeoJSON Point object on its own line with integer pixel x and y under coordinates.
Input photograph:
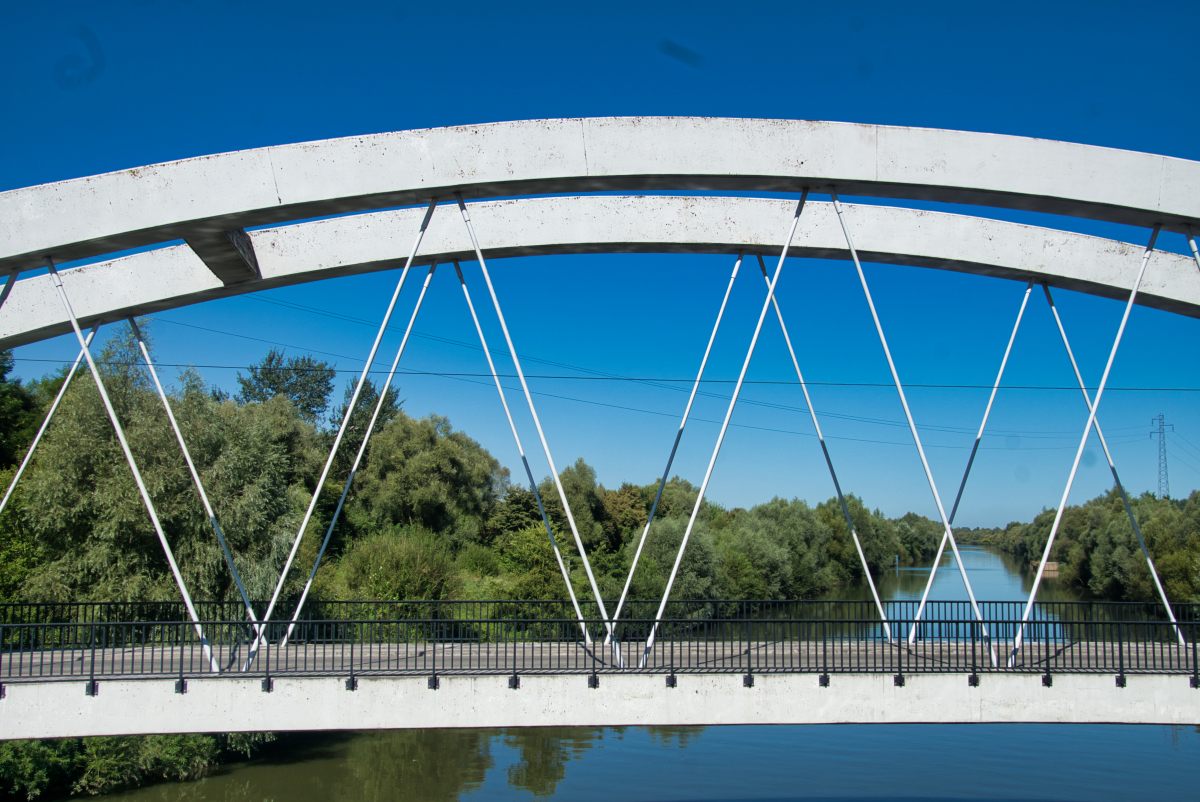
{"type": "Point", "coordinates": [306, 380]}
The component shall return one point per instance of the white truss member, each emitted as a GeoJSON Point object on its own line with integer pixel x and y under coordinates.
{"type": "Point", "coordinates": [521, 450]}
{"type": "Point", "coordinates": [362, 449]}
{"type": "Point", "coordinates": [828, 460]}
{"type": "Point", "coordinates": [562, 493]}
{"type": "Point", "coordinates": [137, 475]}
{"type": "Point", "coordinates": [737, 389]}
{"type": "Point", "coordinates": [37, 438]}
{"type": "Point", "coordinates": [337, 440]}
{"type": "Point", "coordinates": [912, 634]}
{"type": "Point", "coordinates": [1191, 238]}
{"type": "Point", "coordinates": [837, 206]}
{"type": "Point", "coordinates": [687, 410]}
{"type": "Point", "coordinates": [1087, 430]}
{"type": "Point", "coordinates": [1137, 530]}
{"type": "Point", "coordinates": [208, 509]}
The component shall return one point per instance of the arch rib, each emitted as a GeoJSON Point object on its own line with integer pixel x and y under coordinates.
{"type": "Point", "coordinates": [209, 200]}
{"type": "Point", "coordinates": [171, 277]}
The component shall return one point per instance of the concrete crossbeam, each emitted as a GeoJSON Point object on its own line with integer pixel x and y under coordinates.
{"type": "Point", "coordinates": [171, 277]}
{"type": "Point", "coordinates": [61, 709]}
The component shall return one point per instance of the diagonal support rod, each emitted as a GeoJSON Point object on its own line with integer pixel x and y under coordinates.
{"type": "Point", "coordinates": [521, 450]}
{"type": "Point", "coordinates": [337, 440]}
{"type": "Point", "coordinates": [828, 460]}
{"type": "Point", "coordinates": [1191, 238]}
{"type": "Point", "coordinates": [362, 449]}
{"type": "Point", "coordinates": [137, 475]}
{"type": "Point", "coordinates": [562, 493]}
{"type": "Point", "coordinates": [1137, 530]}
{"type": "Point", "coordinates": [208, 508]}
{"type": "Point", "coordinates": [912, 426]}
{"type": "Point", "coordinates": [687, 411]}
{"type": "Point", "coordinates": [737, 389]}
{"type": "Point", "coordinates": [37, 438]}
{"type": "Point", "coordinates": [912, 634]}
{"type": "Point", "coordinates": [8, 285]}
{"type": "Point", "coordinates": [1087, 430]}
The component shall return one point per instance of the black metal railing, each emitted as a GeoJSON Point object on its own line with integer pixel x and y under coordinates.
{"type": "Point", "coordinates": [88, 641]}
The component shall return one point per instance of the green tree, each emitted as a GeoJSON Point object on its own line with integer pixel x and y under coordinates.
{"type": "Point", "coordinates": [306, 380]}
{"type": "Point", "coordinates": [20, 414]}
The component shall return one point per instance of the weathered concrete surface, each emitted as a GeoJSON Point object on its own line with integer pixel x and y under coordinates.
{"type": "Point", "coordinates": [198, 198]}
{"type": "Point", "coordinates": [51, 710]}
{"type": "Point", "coordinates": [171, 277]}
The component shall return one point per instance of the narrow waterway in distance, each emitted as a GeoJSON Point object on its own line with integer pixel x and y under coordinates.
{"type": "Point", "coordinates": [680, 764]}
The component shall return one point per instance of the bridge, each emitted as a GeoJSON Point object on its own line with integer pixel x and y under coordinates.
{"type": "Point", "coordinates": [248, 221]}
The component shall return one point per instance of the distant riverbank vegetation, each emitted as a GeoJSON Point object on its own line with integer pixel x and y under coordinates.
{"type": "Point", "coordinates": [431, 515]}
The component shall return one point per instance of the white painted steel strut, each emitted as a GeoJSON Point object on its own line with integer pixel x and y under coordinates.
{"type": "Point", "coordinates": [912, 426]}
{"type": "Point", "coordinates": [1192, 242]}
{"type": "Point", "coordinates": [362, 449]}
{"type": "Point", "coordinates": [137, 475]}
{"type": "Point", "coordinates": [678, 435]}
{"type": "Point", "coordinates": [562, 493]}
{"type": "Point", "coordinates": [337, 440]}
{"type": "Point", "coordinates": [737, 389]}
{"type": "Point", "coordinates": [1087, 430]}
{"type": "Point", "coordinates": [37, 438]}
{"type": "Point", "coordinates": [521, 450]}
{"type": "Point", "coordinates": [912, 633]}
{"type": "Point", "coordinates": [208, 508]}
{"type": "Point", "coordinates": [1137, 530]}
{"type": "Point", "coordinates": [828, 460]}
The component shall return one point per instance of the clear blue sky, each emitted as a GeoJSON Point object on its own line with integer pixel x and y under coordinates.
{"type": "Point", "coordinates": [144, 82]}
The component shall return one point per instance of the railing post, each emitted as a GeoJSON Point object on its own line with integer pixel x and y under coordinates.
{"type": "Point", "coordinates": [267, 685]}
{"type": "Point", "coordinates": [1195, 667]}
{"type": "Point", "coordinates": [1121, 653]}
{"type": "Point", "coordinates": [90, 689]}
{"type": "Point", "coordinates": [973, 677]}
{"type": "Point", "coordinates": [432, 641]}
{"type": "Point", "coordinates": [823, 680]}
{"type": "Point", "coordinates": [1047, 679]}
{"type": "Point", "coordinates": [352, 682]}
{"type": "Point", "coordinates": [181, 683]}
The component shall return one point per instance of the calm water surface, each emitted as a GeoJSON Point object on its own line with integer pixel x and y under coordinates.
{"type": "Point", "coordinates": [631, 764]}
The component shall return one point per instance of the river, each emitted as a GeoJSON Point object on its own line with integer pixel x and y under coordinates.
{"type": "Point", "coordinates": [630, 764]}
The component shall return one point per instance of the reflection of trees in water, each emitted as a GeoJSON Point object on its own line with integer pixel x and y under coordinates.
{"type": "Point", "coordinates": [426, 765]}
{"type": "Point", "coordinates": [674, 736]}
{"type": "Point", "coordinates": [545, 751]}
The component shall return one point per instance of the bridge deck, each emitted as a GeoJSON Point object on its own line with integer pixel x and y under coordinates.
{"type": "Point", "coordinates": [541, 657]}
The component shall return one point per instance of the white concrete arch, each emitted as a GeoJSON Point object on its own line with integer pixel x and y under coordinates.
{"type": "Point", "coordinates": [175, 276]}
{"type": "Point", "coordinates": [209, 201]}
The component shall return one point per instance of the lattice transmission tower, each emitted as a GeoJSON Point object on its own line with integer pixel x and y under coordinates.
{"type": "Point", "coordinates": [1164, 488]}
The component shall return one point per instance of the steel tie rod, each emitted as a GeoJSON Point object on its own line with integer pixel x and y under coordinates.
{"type": "Point", "coordinates": [687, 411]}
{"type": "Point", "coordinates": [687, 533]}
{"type": "Point", "coordinates": [362, 449]}
{"type": "Point", "coordinates": [1137, 530]}
{"type": "Point", "coordinates": [912, 426]}
{"type": "Point", "coordinates": [208, 508]}
{"type": "Point", "coordinates": [1087, 430]}
{"type": "Point", "coordinates": [828, 460]}
{"type": "Point", "coordinates": [1191, 238]}
{"type": "Point", "coordinates": [562, 493]}
{"type": "Point", "coordinates": [337, 440]}
{"type": "Point", "coordinates": [521, 450]}
{"type": "Point", "coordinates": [137, 475]}
{"type": "Point", "coordinates": [37, 438]}
{"type": "Point", "coordinates": [912, 634]}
